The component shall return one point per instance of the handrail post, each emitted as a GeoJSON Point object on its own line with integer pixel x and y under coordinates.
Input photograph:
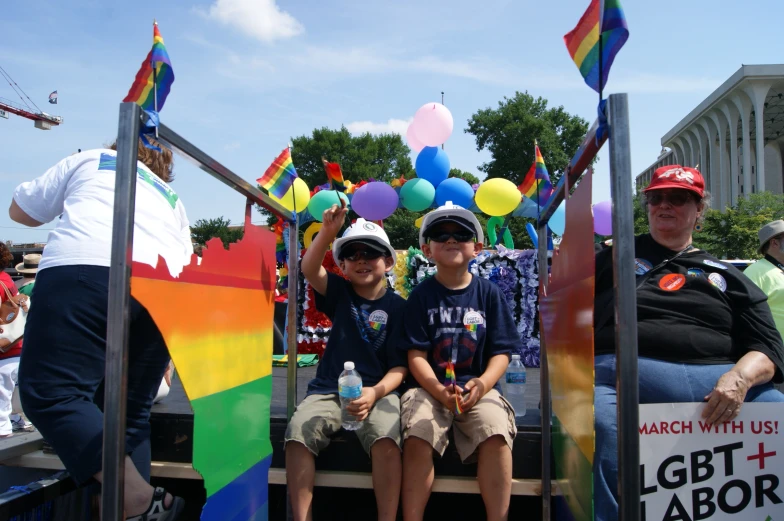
{"type": "Point", "coordinates": [118, 315]}
{"type": "Point", "coordinates": [291, 375]}
{"type": "Point", "coordinates": [544, 380]}
{"type": "Point", "coordinates": [627, 378]}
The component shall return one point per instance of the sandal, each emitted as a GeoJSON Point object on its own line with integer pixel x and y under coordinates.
{"type": "Point", "coordinates": [157, 511]}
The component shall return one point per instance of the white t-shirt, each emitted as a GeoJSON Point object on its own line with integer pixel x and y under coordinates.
{"type": "Point", "coordinates": [80, 189]}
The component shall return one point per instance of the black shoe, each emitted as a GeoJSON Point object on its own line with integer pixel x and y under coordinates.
{"type": "Point", "coordinates": [158, 512]}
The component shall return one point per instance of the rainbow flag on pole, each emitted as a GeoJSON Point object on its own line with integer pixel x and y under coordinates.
{"type": "Point", "coordinates": [536, 184]}
{"type": "Point", "coordinates": [592, 57]}
{"type": "Point", "coordinates": [154, 77]}
{"type": "Point", "coordinates": [335, 175]}
{"type": "Point", "coordinates": [280, 175]}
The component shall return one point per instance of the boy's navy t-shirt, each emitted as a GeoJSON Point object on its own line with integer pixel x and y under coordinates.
{"type": "Point", "coordinates": [360, 332]}
{"type": "Point", "coordinates": [476, 320]}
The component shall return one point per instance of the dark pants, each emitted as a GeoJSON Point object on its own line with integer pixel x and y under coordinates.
{"type": "Point", "coordinates": [63, 363]}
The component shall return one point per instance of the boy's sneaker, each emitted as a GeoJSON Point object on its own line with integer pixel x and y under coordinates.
{"type": "Point", "coordinates": [21, 425]}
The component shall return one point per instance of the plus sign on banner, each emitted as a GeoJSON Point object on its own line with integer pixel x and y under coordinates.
{"type": "Point", "coordinates": [691, 471]}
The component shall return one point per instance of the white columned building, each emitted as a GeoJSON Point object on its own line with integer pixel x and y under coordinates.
{"type": "Point", "coordinates": [735, 137]}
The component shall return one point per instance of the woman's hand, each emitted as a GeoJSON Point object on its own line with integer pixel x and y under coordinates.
{"type": "Point", "coordinates": [726, 398]}
{"type": "Point", "coordinates": [362, 405]}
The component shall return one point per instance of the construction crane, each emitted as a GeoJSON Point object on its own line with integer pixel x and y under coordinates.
{"type": "Point", "coordinates": [41, 119]}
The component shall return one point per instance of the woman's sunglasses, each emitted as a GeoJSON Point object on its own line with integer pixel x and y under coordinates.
{"type": "Point", "coordinates": [462, 236]}
{"type": "Point", "coordinates": [367, 255]}
{"type": "Point", "coordinates": [675, 198]}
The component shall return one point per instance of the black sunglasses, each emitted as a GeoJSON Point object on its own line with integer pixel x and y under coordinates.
{"type": "Point", "coordinates": [674, 198]}
{"type": "Point", "coordinates": [461, 236]}
{"type": "Point", "coordinates": [368, 255]}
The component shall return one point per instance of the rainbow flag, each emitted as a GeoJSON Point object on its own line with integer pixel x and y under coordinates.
{"type": "Point", "coordinates": [157, 70]}
{"type": "Point", "coordinates": [536, 184]}
{"type": "Point", "coordinates": [280, 175]}
{"type": "Point", "coordinates": [225, 362]}
{"type": "Point", "coordinates": [603, 17]}
{"type": "Point", "coordinates": [471, 328]}
{"type": "Point", "coordinates": [335, 175]}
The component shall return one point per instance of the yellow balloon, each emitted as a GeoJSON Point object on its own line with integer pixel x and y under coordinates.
{"type": "Point", "coordinates": [418, 222]}
{"type": "Point", "coordinates": [497, 197]}
{"type": "Point", "coordinates": [313, 229]}
{"type": "Point", "coordinates": [298, 190]}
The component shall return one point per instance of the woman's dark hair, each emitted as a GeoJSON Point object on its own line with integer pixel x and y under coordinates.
{"type": "Point", "coordinates": [6, 257]}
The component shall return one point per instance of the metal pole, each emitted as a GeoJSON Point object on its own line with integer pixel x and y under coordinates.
{"type": "Point", "coordinates": [544, 380]}
{"type": "Point", "coordinates": [118, 316]}
{"type": "Point", "coordinates": [627, 382]}
{"type": "Point", "coordinates": [291, 377]}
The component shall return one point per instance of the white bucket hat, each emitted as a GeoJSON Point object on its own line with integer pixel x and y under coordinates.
{"type": "Point", "coordinates": [451, 213]}
{"type": "Point", "coordinates": [364, 232]}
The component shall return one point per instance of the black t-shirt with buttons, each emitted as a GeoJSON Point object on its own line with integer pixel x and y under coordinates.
{"type": "Point", "coordinates": [694, 309]}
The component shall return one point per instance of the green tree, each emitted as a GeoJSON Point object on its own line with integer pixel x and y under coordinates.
{"type": "Point", "coordinates": [205, 229]}
{"type": "Point", "coordinates": [732, 234]}
{"type": "Point", "coordinates": [640, 217]}
{"type": "Point", "coordinates": [383, 157]}
{"type": "Point", "coordinates": [509, 131]}
{"type": "Point", "coordinates": [465, 176]}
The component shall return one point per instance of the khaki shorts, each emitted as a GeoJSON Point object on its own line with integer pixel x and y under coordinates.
{"type": "Point", "coordinates": [317, 418]}
{"type": "Point", "coordinates": [424, 417]}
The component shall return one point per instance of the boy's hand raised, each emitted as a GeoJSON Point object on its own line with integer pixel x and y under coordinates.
{"type": "Point", "coordinates": [333, 218]}
{"type": "Point", "coordinates": [475, 389]}
{"type": "Point", "coordinates": [362, 405]}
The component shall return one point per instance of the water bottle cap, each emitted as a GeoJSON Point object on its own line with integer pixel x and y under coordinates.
{"type": "Point", "coordinates": [515, 357]}
{"type": "Point", "coordinates": [348, 366]}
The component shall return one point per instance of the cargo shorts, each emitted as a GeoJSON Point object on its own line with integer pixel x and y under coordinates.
{"type": "Point", "coordinates": [317, 418]}
{"type": "Point", "coordinates": [424, 417]}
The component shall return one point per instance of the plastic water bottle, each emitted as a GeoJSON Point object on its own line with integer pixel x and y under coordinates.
{"type": "Point", "coordinates": [515, 385]}
{"type": "Point", "coordinates": [349, 388]}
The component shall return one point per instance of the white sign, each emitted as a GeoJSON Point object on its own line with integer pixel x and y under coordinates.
{"type": "Point", "coordinates": [691, 471]}
{"type": "Point", "coordinates": [3, 114]}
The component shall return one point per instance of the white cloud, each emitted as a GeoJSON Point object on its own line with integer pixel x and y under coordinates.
{"type": "Point", "coordinates": [393, 126]}
{"type": "Point", "coordinates": [229, 147]}
{"type": "Point", "coordinates": [662, 84]}
{"type": "Point", "coordinates": [260, 19]}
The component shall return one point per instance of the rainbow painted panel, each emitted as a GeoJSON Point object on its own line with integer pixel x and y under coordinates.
{"type": "Point", "coordinates": [217, 321]}
{"type": "Point", "coordinates": [567, 324]}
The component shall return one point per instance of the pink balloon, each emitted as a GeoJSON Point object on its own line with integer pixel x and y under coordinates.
{"type": "Point", "coordinates": [413, 142]}
{"type": "Point", "coordinates": [602, 218]}
{"type": "Point", "coordinates": [433, 124]}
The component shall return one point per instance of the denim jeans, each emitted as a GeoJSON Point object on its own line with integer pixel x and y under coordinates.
{"type": "Point", "coordinates": [63, 364]}
{"type": "Point", "coordinates": [660, 382]}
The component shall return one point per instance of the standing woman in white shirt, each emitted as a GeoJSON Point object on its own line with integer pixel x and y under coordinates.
{"type": "Point", "coordinates": [65, 339]}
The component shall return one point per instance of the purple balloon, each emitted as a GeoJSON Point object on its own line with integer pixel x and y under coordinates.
{"type": "Point", "coordinates": [602, 218]}
{"type": "Point", "coordinates": [375, 201]}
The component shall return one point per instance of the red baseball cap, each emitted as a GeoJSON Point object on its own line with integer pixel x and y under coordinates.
{"type": "Point", "coordinates": [677, 176]}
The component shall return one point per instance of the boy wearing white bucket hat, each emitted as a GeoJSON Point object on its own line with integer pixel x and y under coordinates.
{"type": "Point", "coordinates": [364, 316]}
{"type": "Point", "coordinates": [458, 332]}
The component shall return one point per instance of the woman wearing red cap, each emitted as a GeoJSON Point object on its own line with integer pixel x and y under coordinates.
{"type": "Point", "coordinates": [705, 332]}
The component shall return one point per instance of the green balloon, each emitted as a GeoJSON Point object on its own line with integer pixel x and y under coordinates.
{"type": "Point", "coordinates": [324, 200]}
{"type": "Point", "coordinates": [417, 194]}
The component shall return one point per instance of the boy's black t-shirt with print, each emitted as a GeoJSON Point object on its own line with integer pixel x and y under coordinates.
{"type": "Point", "coordinates": [475, 319]}
{"type": "Point", "coordinates": [695, 309]}
{"type": "Point", "coordinates": [361, 332]}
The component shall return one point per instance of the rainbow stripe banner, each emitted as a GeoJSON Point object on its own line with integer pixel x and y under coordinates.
{"type": "Point", "coordinates": [155, 75]}
{"type": "Point", "coordinates": [218, 328]}
{"type": "Point", "coordinates": [594, 59]}
{"type": "Point", "coordinates": [280, 175]}
{"type": "Point", "coordinates": [536, 184]}
{"type": "Point", "coordinates": [335, 175]}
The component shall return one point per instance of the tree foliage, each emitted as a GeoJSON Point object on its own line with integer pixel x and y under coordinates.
{"type": "Point", "coordinates": [732, 234]}
{"type": "Point", "coordinates": [509, 131]}
{"type": "Point", "coordinates": [465, 176]}
{"type": "Point", "coordinates": [205, 229]}
{"type": "Point", "coordinates": [383, 157]}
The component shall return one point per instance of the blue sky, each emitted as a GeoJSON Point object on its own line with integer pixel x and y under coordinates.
{"type": "Point", "coordinates": [252, 73]}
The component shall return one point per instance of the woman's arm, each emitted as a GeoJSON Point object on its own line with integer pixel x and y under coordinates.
{"type": "Point", "coordinates": [726, 398]}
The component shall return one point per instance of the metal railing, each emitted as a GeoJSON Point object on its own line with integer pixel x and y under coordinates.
{"type": "Point", "coordinates": [627, 385]}
{"type": "Point", "coordinates": [116, 384]}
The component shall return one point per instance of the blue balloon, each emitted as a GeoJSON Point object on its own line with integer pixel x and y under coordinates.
{"type": "Point", "coordinates": [532, 234]}
{"type": "Point", "coordinates": [432, 164]}
{"type": "Point", "coordinates": [557, 222]}
{"type": "Point", "coordinates": [456, 190]}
